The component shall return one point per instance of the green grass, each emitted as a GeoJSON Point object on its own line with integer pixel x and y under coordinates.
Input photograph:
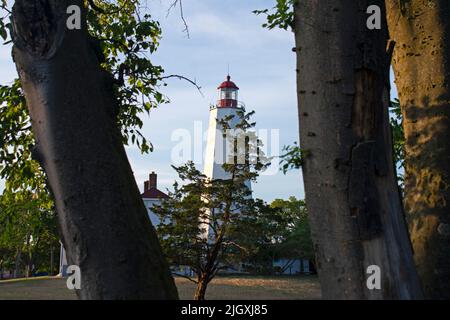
{"type": "Point", "coordinates": [35, 289]}
{"type": "Point", "coordinates": [228, 287]}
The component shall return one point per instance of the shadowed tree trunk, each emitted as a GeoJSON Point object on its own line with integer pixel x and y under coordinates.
{"type": "Point", "coordinates": [353, 200]}
{"type": "Point", "coordinates": [202, 285]}
{"type": "Point", "coordinates": [421, 61]}
{"type": "Point", "coordinates": [29, 258]}
{"type": "Point", "coordinates": [17, 263]}
{"type": "Point", "coordinates": [105, 227]}
{"type": "Point", "coordinates": [52, 259]}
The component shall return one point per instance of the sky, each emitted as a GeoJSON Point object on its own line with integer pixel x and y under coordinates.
{"type": "Point", "coordinates": [261, 63]}
{"type": "Point", "coordinates": [224, 35]}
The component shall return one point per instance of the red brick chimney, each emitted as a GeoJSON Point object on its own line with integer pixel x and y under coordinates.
{"type": "Point", "coordinates": [153, 180]}
{"type": "Point", "coordinates": [151, 188]}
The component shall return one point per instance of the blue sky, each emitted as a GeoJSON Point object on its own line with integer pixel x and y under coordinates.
{"type": "Point", "coordinates": [261, 63]}
{"type": "Point", "coordinates": [221, 33]}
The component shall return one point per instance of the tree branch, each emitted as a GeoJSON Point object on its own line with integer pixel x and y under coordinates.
{"type": "Point", "coordinates": [232, 243]}
{"type": "Point", "coordinates": [193, 82]}
{"type": "Point", "coordinates": [5, 8]}
{"type": "Point", "coordinates": [118, 42]}
{"type": "Point", "coordinates": [173, 5]}
{"type": "Point", "coordinates": [25, 128]}
{"type": "Point", "coordinates": [103, 11]}
{"type": "Point", "coordinates": [186, 277]}
{"type": "Point", "coordinates": [95, 7]}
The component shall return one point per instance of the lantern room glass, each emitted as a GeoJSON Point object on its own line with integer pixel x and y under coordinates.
{"type": "Point", "coordinates": [228, 94]}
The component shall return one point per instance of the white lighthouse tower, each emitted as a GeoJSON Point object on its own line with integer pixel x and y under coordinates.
{"type": "Point", "coordinates": [216, 146]}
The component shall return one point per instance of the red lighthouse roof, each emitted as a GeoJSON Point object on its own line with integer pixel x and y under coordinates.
{"type": "Point", "coordinates": [228, 84]}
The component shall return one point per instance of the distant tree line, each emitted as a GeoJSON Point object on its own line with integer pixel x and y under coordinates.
{"type": "Point", "coordinates": [29, 241]}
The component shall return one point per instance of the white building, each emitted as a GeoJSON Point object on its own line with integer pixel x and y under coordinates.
{"type": "Point", "coordinates": [151, 196]}
{"type": "Point", "coordinates": [217, 152]}
{"type": "Point", "coordinates": [218, 148]}
{"type": "Point", "coordinates": [292, 267]}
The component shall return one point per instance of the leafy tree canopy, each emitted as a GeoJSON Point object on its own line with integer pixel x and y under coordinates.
{"type": "Point", "coordinates": [280, 16]}
{"type": "Point", "coordinates": [124, 38]}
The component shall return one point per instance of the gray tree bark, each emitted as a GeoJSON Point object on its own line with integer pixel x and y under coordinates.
{"type": "Point", "coordinates": [17, 263]}
{"type": "Point", "coordinates": [353, 200]}
{"type": "Point", "coordinates": [105, 227]}
{"type": "Point", "coordinates": [421, 61]}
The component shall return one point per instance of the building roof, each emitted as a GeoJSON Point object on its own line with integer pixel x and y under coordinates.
{"type": "Point", "coordinates": [154, 193]}
{"type": "Point", "coordinates": [228, 84]}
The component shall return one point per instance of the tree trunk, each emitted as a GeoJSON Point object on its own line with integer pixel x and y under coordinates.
{"type": "Point", "coordinates": [421, 61]}
{"type": "Point", "coordinates": [17, 263]}
{"type": "Point", "coordinates": [312, 267]}
{"type": "Point", "coordinates": [353, 200]}
{"type": "Point", "coordinates": [52, 259]}
{"type": "Point", "coordinates": [105, 227]}
{"type": "Point", "coordinates": [200, 292]}
{"type": "Point", "coordinates": [29, 256]}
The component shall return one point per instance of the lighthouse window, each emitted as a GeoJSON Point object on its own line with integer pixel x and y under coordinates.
{"type": "Point", "coordinates": [228, 94]}
{"type": "Point", "coordinates": [223, 94]}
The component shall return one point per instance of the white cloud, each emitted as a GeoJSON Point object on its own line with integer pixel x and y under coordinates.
{"type": "Point", "coordinates": [239, 31]}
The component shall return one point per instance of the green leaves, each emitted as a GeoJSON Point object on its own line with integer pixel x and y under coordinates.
{"type": "Point", "coordinates": [3, 30]}
{"type": "Point", "coordinates": [292, 232]}
{"type": "Point", "coordinates": [247, 149]}
{"type": "Point", "coordinates": [292, 158]}
{"type": "Point", "coordinates": [127, 39]}
{"type": "Point", "coordinates": [26, 209]}
{"type": "Point", "coordinates": [5, 25]}
{"type": "Point", "coordinates": [398, 137]}
{"type": "Point", "coordinates": [280, 16]}
{"type": "Point", "coordinates": [16, 141]}
{"type": "Point", "coordinates": [28, 225]}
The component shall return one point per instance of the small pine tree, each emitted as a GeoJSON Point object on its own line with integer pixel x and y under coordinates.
{"type": "Point", "coordinates": [200, 221]}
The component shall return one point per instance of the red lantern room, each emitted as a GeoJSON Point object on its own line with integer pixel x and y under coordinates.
{"type": "Point", "coordinates": [228, 94]}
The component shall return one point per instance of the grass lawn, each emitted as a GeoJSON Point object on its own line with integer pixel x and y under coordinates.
{"type": "Point", "coordinates": [241, 287]}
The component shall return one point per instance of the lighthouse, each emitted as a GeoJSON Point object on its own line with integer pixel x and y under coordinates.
{"type": "Point", "coordinates": [217, 151]}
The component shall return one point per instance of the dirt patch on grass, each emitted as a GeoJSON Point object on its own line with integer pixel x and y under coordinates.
{"type": "Point", "coordinates": [255, 288]}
